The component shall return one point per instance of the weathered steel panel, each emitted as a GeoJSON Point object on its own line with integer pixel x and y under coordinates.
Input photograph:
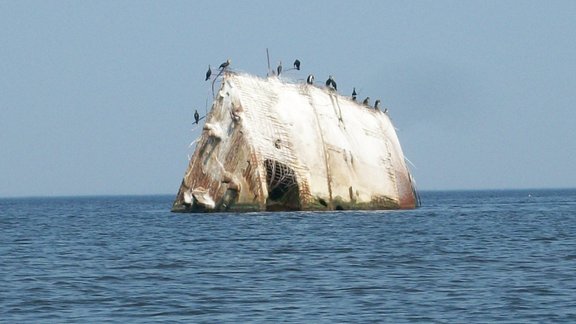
{"type": "Point", "coordinates": [272, 145]}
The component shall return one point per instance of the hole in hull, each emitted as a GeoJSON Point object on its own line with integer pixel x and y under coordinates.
{"type": "Point", "coordinates": [283, 190]}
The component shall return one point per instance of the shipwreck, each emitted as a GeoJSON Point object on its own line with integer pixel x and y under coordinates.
{"type": "Point", "coordinates": [272, 145]}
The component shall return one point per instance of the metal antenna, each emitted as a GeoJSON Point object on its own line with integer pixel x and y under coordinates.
{"type": "Point", "coordinates": [268, 58]}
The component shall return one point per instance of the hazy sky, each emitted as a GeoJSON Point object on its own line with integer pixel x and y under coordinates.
{"type": "Point", "coordinates": [97, 97]}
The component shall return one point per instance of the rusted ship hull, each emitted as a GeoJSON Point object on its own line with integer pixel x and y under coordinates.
{"type": "Point", "coordinates": [268, 145]}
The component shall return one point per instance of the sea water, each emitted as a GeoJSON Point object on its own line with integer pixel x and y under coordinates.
{"type": "Point", "coordinates": [464, 256]}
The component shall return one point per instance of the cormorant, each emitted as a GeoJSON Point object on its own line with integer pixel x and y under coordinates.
{"type": "Point", "coordinates": [366, 101]}
{"type": "Point", "coordinates": [208, 73]}
{"type": "Point", "coordinates": [279, 68]}
{"type": "Point", "coordinates": [330, 83]}
{"type": "Point", "coordinates": [377, 104]}
{"type": "Point", "coordinates": [354, 94]}
{"type": "Point", "coordinates": [297, 65]}
{"type": "Point", "coordinates": [310, 79]}
{"type": "Point", "coordinates": [196, 116]}
{"type": "Point", "coordinates": [225, 64]}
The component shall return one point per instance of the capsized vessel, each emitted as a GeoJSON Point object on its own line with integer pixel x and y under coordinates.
{"type": "Point", "coordinates": [271, 145]}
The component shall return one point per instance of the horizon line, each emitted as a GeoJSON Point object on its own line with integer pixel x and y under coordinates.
{"type": "Point", "coordinates": [171, 194]}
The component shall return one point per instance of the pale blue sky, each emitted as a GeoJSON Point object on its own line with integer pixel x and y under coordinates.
{"type": "Point", "coordinates": [97, 97]}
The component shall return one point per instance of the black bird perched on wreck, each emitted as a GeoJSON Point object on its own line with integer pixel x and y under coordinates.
{"type": "Point", "coordinates": [377, 104]}
{"type": "Point", "coordinates": [297, 65]}
{"type": "Point", "coordinates": [279, 68]}
{"type": "Point", "coordinates": [330, 83]}
{"type": "Point", "coordinates": [196, 116]}
{"type": "Point", "coordinates": [354, 94]}
{"type": "Point", "coordinates": [310, 79]}
{"type": "Point", "coordinates": [208, 73]}
{"type": "Point", "coordinates": [366, 101]}
{"type": "Point", "coordinates": [225, 64]}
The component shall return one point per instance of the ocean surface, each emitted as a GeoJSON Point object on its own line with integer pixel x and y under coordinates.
{"type": "Point", "coordinates": [463, 257]}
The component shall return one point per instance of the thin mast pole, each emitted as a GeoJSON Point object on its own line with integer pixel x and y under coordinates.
{"type": "Point", "coordinates": [268, 58]}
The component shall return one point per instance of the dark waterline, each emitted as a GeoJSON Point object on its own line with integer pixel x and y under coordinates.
{"type": "Point", "coordinates": [465, 256]}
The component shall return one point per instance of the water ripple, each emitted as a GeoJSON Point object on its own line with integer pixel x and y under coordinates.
{"type": "Point", "coordinates": [488, 256]}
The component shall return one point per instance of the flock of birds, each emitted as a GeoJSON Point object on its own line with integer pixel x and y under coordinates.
{"type": "Point", "coordinates": [330, 83]}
